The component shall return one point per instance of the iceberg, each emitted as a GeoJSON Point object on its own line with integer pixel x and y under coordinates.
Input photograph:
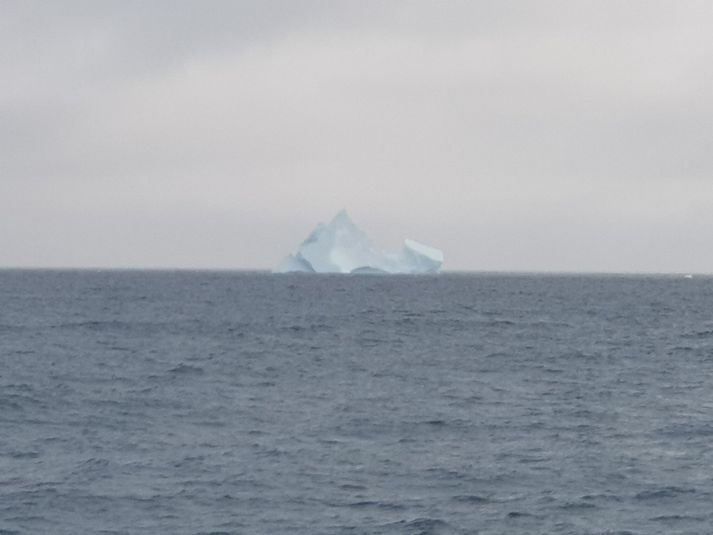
{"type": "Point", "coordinates": [342, 247]}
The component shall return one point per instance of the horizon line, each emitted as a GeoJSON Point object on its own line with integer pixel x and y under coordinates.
{"type": "Point", "coordinates": [442, 272]}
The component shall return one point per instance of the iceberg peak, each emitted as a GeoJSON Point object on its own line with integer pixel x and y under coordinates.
{"type": "Point", "coordinates": [342, 218]}
{"type": "Point", "coordinates": [342, 247]}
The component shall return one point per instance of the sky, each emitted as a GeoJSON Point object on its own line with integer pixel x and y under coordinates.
{"type": "Point", "coordinates": [513, 135]}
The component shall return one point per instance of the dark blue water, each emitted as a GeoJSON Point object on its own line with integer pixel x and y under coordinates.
{"type": "Point", "coordinates": [186, 403]}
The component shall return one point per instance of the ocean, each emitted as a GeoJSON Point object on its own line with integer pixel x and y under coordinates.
{"type": "Point", "coordinates": [152, 402]}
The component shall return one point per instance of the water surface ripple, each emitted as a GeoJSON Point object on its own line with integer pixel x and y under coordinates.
{"type": "Point", "coordinates": [206, 403]}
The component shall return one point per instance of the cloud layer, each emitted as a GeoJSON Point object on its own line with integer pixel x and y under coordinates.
{"type": "Point", "coordinates": [513, 135]}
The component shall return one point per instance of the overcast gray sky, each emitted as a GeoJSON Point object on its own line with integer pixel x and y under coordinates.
{"type": "Point", "coordinates": [550, 135]}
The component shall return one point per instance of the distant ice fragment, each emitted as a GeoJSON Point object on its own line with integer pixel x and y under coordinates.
{"type": "Point", "coordinates": [341, 247]}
